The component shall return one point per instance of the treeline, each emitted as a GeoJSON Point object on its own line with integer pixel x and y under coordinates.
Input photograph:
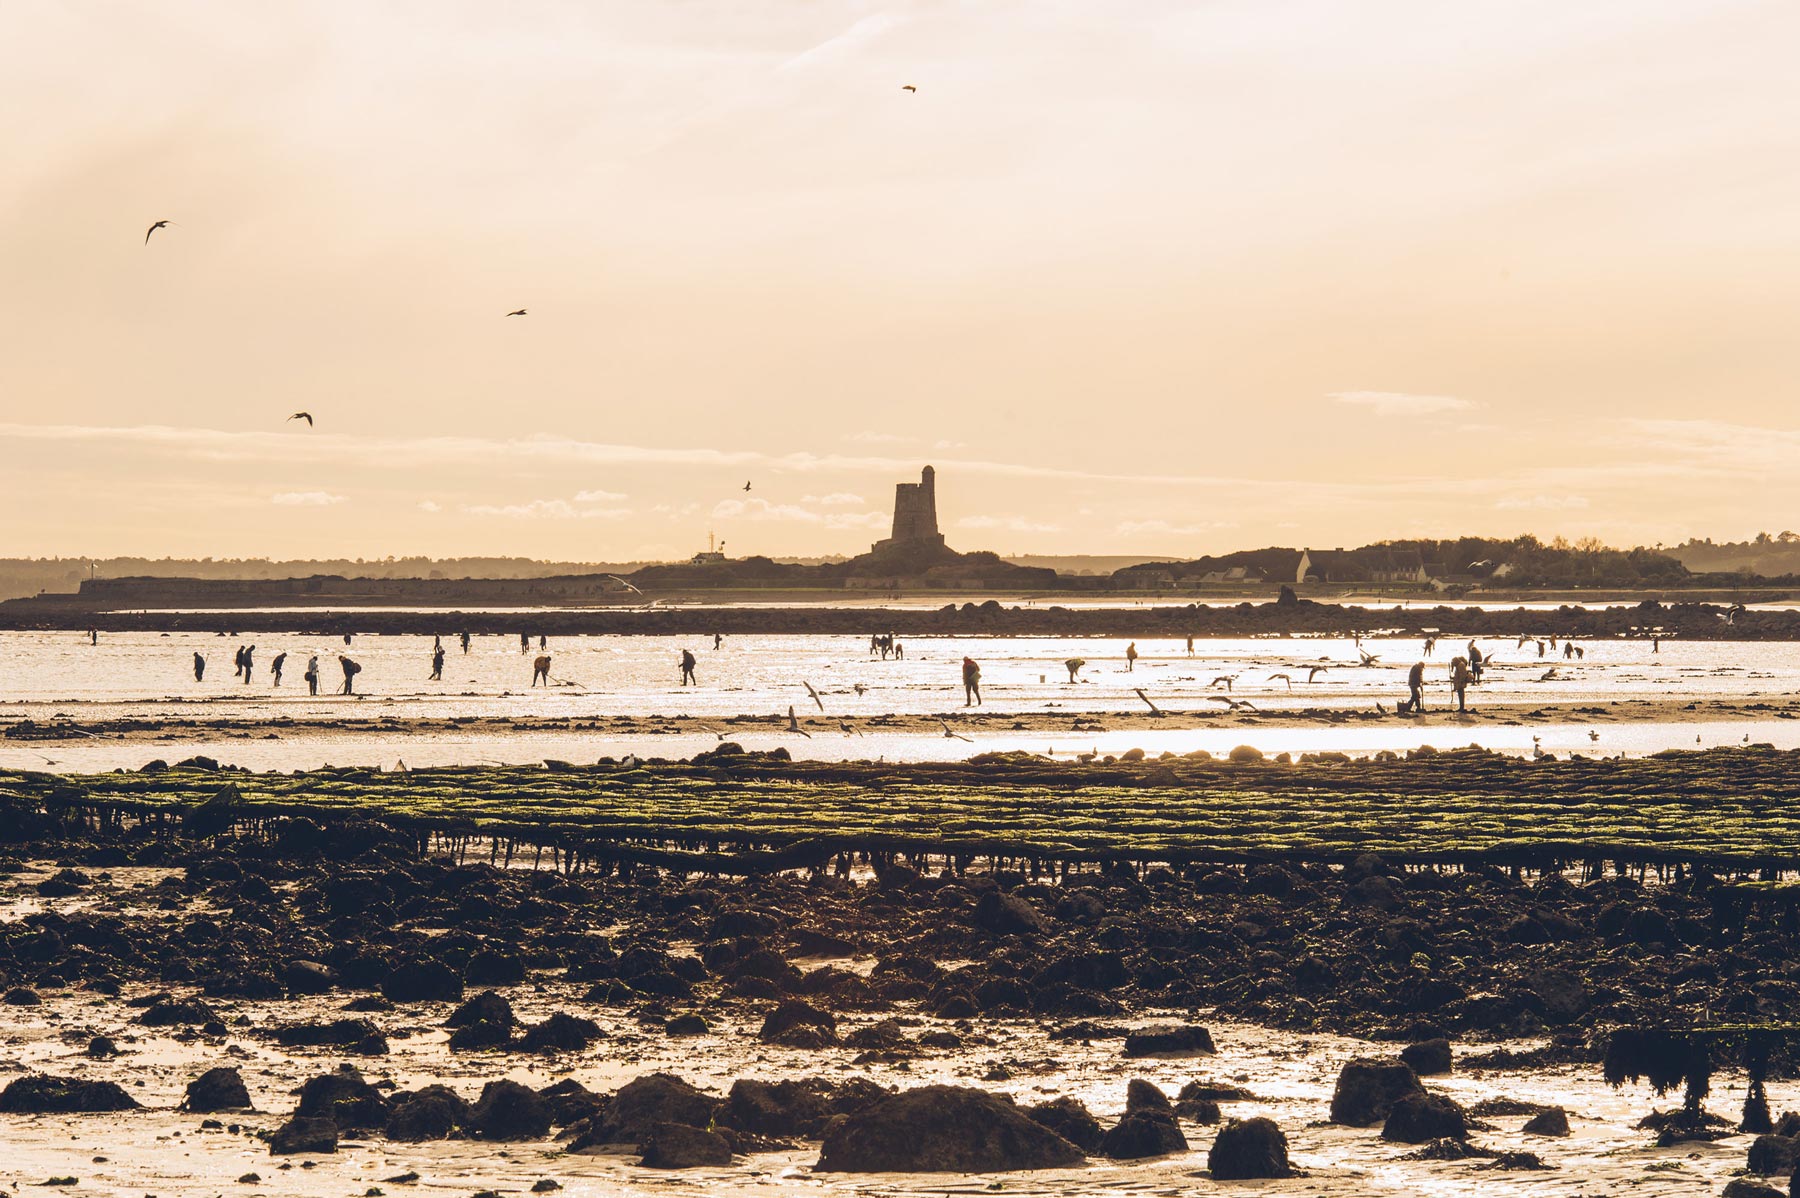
{"type": "Point", "coordinates": [1528, 562]}
{"type": "Point", "coordinates": [30, 576]}
{"type": "Point", "coordinates": [1766, 555]}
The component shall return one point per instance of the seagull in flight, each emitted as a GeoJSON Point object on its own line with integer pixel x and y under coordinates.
{"type": "Point", "coordinates": [518, 312]}
{"type": "Point", "coordinates": [1284, 678]}
{"type": "Point", "coordinates": [1227, 679]}
{"type": "Point", "coordinates": [814, 694]}
{"type": "Point", "coordinates": [161, 224]}
{"type": "Point", "coordinates": [907, 87]}
{"type": "Point", "coordinates": [306, 416]}
{"type": "Point", "coordinates": [949, 735]}
{"type": "Point", "coordinates": [1313, 672]}
{"type": "Point", "coordinates": [1234, 704]}
{"type": "Point", "coordinates": [746, 486]}
{"type": "Point", "coordinates": [1369, 659]}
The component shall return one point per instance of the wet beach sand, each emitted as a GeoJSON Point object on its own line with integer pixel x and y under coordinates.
{"type": "Point", "coordinates": [570, 936]}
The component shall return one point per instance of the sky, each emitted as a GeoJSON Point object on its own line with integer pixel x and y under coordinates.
{"type": "Point", "coordinates": [1146, 278]}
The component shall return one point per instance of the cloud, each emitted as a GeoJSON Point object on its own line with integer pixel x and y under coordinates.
{"type": "Point", "coordinates": [599, 497]}
{"type": "Point", "coordinates": [305, 498]}
{"type": "Point", "coordinates": [543, 509]}
{"type": "Point", "coordinates": [1400, 403]}
{"type": "Point", "coordinates": [1007, 524]}
{"type": "Point", "coordinates": [761, 510]}
{"type": "Point", "coordinates": [1541, 503]}
{"type": "Point", "coordinates": [835, 499]}
{"type": "Point", "coordinates": [873, 438]}
{"type": "Point", "coordinates": [430, 505]}
{"type": "Point", "coordinates": [1163, 528]}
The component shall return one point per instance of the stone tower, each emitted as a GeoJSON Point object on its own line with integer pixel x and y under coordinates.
{"type": "Point", "coordinates": [915, 515]}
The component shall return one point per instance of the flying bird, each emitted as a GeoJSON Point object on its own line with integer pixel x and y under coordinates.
{"type": "Point", "coordinates": [814, 694]}
{"type": "Point", "coordinates": [907, 87]}
{"type": "Point", "coordinates": [746, 486]}
{"type": "Point", "coordinates": [1234, 704]}
{"type": "Point", "coordinates": [306, 416]}
{"type": "Point", "coordinates": [794, 723]}
{"type": "Point", "coordinates": [1313, 672]}
{"type": "Point", "coordinates": [1284, 678]}
{"type": "Point", "coordinates": [1369, 659]}
{"type": "Point", "coordinates": [949, 735]}
{"type": "Point", "coordinates": [1593, 735]}
{"type": "Point", "coordinates": [1227, 679]}
{"type": "Point", "coordinates": [161, 224]}
{"type": "Point", "coordinates": [520, 312]}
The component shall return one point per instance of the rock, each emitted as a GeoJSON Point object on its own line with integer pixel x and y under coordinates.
{"type": "Point", "coordinates": [1743, 1187]}
{"type": "Point", "coordinates": [1417, 1118]}
{"type": "Point", "coordinates": [308, 977]}
{"type": "Point", "coordinates": [1174, 1040]}
{"type": "Point", "coordinates": [678, 1146]}
{"type": "Point", "coordinates": [1070, 1119]}
{"type": "Point", "coordinates": [1367, 1089]}
{"type": "Point", "coordinates": [784, 1109]}
{"type": "Point", "coordinates": [344, 1098]}
{"type": "Point", "coordinates": [422, 980]}
{"type": "Point", "coordinates": [799, 1025]}
{"type": "Point", "coordinates": [1142, 1133]}
{"type": "Point", "coordinates": [1141, 1095]}
{"type": "Point", "coordinates": [1771, 1156]}
{"type": "Point", "coordinates": [40, 1094]}
{"type": "Point", "coordinates": [640, 1105]}
{"type": "Point", "coordinates": [1553, 1122]}
{"type": "Point", "coordinates": [1197, 1110]}
{"type": "Point", "coordinates": [432, 1113]}
{"type": "Point", "coordinates": [561, 1033]}
{"type": "Point", "coordinates": [508, 1111]}
{"type": "Point", "coordinates": [101, 1048]}
{"type": "Point", "coordinates": [686, 1025]}
{"type": "Point", "coordinates": [1248, 1149]}
{"type": "Point", "coordinates": [304, 1134]}
{"type": "Point", "coordinates": [943, 1129]}
{"type": "Point", "coordinates": [571, 1102]}
{"type": "Point", "coordinates": [219, 1089]}
{"type": "Point", "coordinates": [1428, 1057]}
{"type": "Point", "coordinates": [1006, 915]}
{"type": "Point", "coordinates": [169, 1013]}
{"type": "Point", "coordinates": [486, 1007]}
{"type": "Point", "coordinates": [338, 1033]}
{"type": "Point", "coordinates": [19, 996]}
{"type": "Point", "coordinates": [1560, 995]}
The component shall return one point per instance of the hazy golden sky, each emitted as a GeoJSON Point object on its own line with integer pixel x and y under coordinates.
{"type": "Point", "coordinates": [1136, 277]}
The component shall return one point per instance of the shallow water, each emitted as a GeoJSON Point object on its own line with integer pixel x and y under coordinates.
{"type": "Point", "coordinates": [149, 676]}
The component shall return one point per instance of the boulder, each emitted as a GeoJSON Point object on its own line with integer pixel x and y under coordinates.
{"type": "Point", "coordinates": [686, 1025]}
{"type": "Point", "coordinates": [1249, 1149]}
{"type": "Point", "coordinates": [1175, 1040]}
{"type": "Point", "coordinates": [432, 1113]}
{"type": "Point", "coordinates": [784, 1109]}
{"type": "Point", "coordinates": [486, 1007]}
{"type": "Point", "coordinates": [1006, 915]}
{"type": "Point", "coordinates": [1367, 1089]}
{"type": "Point", "coordinates": [640, 1105]}
{"type": "Point", "coordinates": [219, 1089]}
{"type": "Point", "coordinates": [1428, 1056]}
{"type": "Point", "coordinates": [422, 980]}
{"type": "Point", "coordinates": [344, 1098]}
{"type": "Point", "coordinates": [1553, 1122]}
{"type": "Point", "coordinates": [1743, 1187]}
{"type": "Point", "coordinates": [678, 1146]}
{"type": "Point", "coordinates": [1070, 1119]}
{"type": "Point", "coordinates": [1141, 1095]}
{"type": "Point", "coordinates": [1418, 1118]}
{"type": "Point", "coordinates": [1143, 1133]}
{"type": "Point", "coordinates": [799, 1025]}
{"type": "Point", "coordinates": [304, 1134]}
{"type": "Point", "coordinates": [561, 1033]}
{"type": "Point", "coordinates": [508, 1111]}
{"type": "Point", "coordinates": [943, 1129]}
{"type": "Point", "coordinates": [309, 977]}
{"type": "Point", "coordinates": [42, 1094]}
{"type": "Point", "coordinates": [1769, 1155]}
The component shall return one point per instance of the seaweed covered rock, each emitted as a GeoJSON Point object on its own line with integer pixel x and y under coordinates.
{"type": "Point", "coordinates": [1143, 1133]}
{"type": "Point", "coordinates": [220, 1089]}
{"type": "Point", "coordinates": [1249, 1149]}
{"type": "Point", "coordinates": [43, 1094]}
{"type": "Point", "coordinates": [679, 1146]}
{"type": "Point", "coordinates": [344, 1098]}
{"type": "Point", "coordinates": [1418, 1118]}
{"type": "Point", "coordinates": [1367, 1089]}
{"type": "Point", "coordinates": [1427, 1057]}
{"type": "Point", "coordinates": [1171, 1040]}
{"type": "Point", "coordinates": [1006, 915]}
{"type": "Point", "coordinates": [1069, 1118]}
{"type": "Point", "coordinates": [783, 1109]}
{"type": "Point", "coordinates": [640, 1105]}
{"type": "Point", "coordinates": [304, 1134]}
{"type": "Point", "coordinates": [508, 1111]}
{"type": "Point", "coordinates": [422, 980]}
{"type": "Point", "coordinates": [799, 1024]}
{"type": "Point", "coordinates": [561, 1033]}
{"type": "Point", "coordinates": [943, 1129]}
{"type": "Point", "coordinates": [1551, 1122]}
{"type": "Point", "coordinates": [432, 1113]}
